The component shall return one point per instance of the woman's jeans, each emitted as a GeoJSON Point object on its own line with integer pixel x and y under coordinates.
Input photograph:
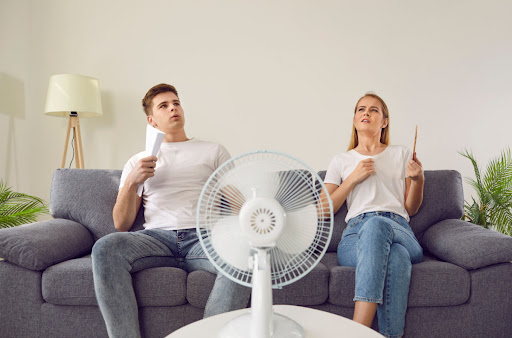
{"type": "Point", "coordinates": [116, 256]}
{"type": "Point", "coordinates": [381, 246]}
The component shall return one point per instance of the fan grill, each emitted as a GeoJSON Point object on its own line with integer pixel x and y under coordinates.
{"type": "Point", "coordinates": [271, 175]}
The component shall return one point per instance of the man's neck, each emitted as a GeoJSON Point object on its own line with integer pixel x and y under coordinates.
{"type": "Point", "coordinates": [179, 136]}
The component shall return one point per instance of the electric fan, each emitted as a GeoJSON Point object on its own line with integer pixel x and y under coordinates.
{"type": "Point", "coordinates": [262, 223]}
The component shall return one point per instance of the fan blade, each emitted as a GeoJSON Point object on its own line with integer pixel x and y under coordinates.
{"type": "Point", "coordinates": [254, 180]}
{"type": "Point", "coordinates": [300, 230]}
{"type": "Point", "coordinates": [267, 184]}
{"type": "Point", "coordinates": [230, 243]}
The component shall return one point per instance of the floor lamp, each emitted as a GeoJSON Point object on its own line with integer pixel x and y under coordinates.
{"type": "Point", "coordinates": [73, 96]}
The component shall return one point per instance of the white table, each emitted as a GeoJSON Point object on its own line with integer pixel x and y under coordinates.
{"type": "Point", "coordinates": [316, 323]}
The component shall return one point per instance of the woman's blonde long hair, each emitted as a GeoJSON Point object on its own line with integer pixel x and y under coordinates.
{"type": "Point", "coordinates": [384, 136]}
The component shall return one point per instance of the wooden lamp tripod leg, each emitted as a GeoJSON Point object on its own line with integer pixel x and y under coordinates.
{"type": "Point", "coordinates": [79, 154]}
{"type": "Point", "coordinates": [66, 144]}
{"type": "Point", "coordinates": [77, 141]}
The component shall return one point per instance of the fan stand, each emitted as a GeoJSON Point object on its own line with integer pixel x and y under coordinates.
{"type": "Point", "coordinates": [262, 322]}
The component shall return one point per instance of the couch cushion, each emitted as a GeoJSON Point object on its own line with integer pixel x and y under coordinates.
{"type": "Point", "coordinates": [39, 245]}
{"type": "Point", "coordinates": [312, 289]}
{"type": "Point", "coordinates": [71, 283]}
{"type": "Point", "coordinates": [433, 283]}
{"type": "Point", "coordinates": [87, 196]}
{"type": "Point", "coordinates": [339, 223]}
{"type": "Point", "coordinates": [199, 285]}
{"type": "Point", "coordinates": [467, 245]}
{"type": "Point", "coordinates": [443, 198]}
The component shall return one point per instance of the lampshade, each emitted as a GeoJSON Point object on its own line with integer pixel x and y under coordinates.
{"type": "Point", "coordinates": [73, 93]}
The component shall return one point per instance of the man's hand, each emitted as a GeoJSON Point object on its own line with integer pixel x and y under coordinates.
{"type": "Point", "coordinates": [415, 169]}
{"type": "Point", "coordinates": [363, 170]}
{"type": "Point", "coordinates": [144, 169]}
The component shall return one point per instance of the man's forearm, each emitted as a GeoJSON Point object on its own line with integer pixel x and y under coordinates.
{"type": "Point", "coordinates": [126, 207]}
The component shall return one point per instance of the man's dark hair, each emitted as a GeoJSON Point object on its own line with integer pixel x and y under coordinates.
{"type": "Point", "coordinates": [147, 101]}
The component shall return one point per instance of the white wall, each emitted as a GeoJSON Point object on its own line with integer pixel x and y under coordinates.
{"type": "Point", "coordinates": [14, 119]}
{"type": "Point", "coordinates": [281, 75]}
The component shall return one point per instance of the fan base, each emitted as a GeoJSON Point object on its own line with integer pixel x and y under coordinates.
{"type": "Point", "coordinates": [240, 327]}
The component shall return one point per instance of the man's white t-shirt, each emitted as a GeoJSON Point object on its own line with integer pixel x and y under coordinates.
{"type": "Point", "coordinates": [182, 168]}
{"type": "Point", "coordinates": [382, 191]}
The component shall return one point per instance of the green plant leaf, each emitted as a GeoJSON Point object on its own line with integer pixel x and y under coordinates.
{"type": "Point", "coordinates": [502, 219]}
{"type": "Point", "coordinates": [494, 190]}
{"type": "Point", "coordinates": [498, 176]}
{"type": "Point", "coordinates": [18, 208]}
{"type": "Point", "coordinates": [476, 184]}
{"type": "Point", "coordinates": [469, 155]}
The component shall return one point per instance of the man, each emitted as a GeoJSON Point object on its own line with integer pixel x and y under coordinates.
{"type": "Point", "coordinates": [172, 185]}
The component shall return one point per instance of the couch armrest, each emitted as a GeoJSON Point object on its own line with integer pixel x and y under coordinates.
{"type": "Point", "coordinates": [467, 245]}
{"type": "Point", "coordinates": [39, 245]}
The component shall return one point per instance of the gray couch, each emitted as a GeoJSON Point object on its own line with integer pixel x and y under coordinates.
{"type": "Point", "coordinates": [462, 289]}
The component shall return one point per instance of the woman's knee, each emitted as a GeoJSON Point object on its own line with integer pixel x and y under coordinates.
{"type": "Point", "coordinates": [347, 250]}
{"type": "Point", "coordinates": [377, 226]}
{"type": "Point", "coordinates": [399, 256]}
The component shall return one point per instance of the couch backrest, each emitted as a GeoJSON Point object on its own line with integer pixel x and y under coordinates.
{"type": "Point", "coordinates": [87, 196]}
{"type": "Point", "coordinates": [443, 198]}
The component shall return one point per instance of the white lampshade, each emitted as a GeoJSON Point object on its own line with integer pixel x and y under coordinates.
{"type": "Point", "coordinates": [73, 93]}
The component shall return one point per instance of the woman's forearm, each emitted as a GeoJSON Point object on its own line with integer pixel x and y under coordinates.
{"type": "Point", "coordinates": [414, 197]}
{"type": "Point", "coordinates": [338, 194]}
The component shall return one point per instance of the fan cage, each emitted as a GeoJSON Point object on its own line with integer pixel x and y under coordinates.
{"type": "Point", "coordinates": [293, 184]}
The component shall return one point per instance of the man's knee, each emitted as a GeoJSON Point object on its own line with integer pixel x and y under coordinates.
{"type": "Point", "coordinates": [108, 244]}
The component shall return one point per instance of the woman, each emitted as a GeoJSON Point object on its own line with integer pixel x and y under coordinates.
{"type": "Point", "coordinates": [383, 186]}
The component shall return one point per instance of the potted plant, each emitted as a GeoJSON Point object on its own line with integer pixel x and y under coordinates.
{"type": "Point", "coordinates": [18, 208]}
{"type": "Point", "coordinates": [493, 206]}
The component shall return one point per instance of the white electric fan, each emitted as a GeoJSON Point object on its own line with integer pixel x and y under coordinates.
{"type": "Point", "coordinates": [262, 223]}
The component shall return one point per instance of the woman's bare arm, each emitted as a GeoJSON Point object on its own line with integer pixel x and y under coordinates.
{"type": "Point", "coordinates": [414, 186]}
{"type": "Point", "coordinates": [340, 193]}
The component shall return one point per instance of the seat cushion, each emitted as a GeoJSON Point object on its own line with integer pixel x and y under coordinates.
{"type": "Point", "coordinates": [199, 285]}
{"type": "Point", "coordinates": [312, 289]}
{"type": "Point", "coordinates": [71, 283]}
{"type": "Point", "coordinates": [433, 283]}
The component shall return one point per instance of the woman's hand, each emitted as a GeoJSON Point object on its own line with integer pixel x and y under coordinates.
{"type": "Point", "coordinates": [415, 169]}
{"type": "Point", "coordinates": [339, 194]}
{"type": "Point", "coordinates": [363, 170]}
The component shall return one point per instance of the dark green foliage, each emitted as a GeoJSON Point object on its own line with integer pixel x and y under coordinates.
{"type": "Point", "coordinates": [494, 190]}
{"type": "Point", "coordinates": [18, 208]}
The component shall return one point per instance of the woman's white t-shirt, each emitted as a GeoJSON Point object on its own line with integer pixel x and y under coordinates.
{"type": "Point", "coordinates": [382, 191]}
{"type": "Point", "coordinates": [182, 169]}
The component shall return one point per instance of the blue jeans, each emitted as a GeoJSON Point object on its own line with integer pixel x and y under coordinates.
{"type": "Point", "coordinates": [116, 256]}
{"type": "Point", "coordinates": [382, 247]}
